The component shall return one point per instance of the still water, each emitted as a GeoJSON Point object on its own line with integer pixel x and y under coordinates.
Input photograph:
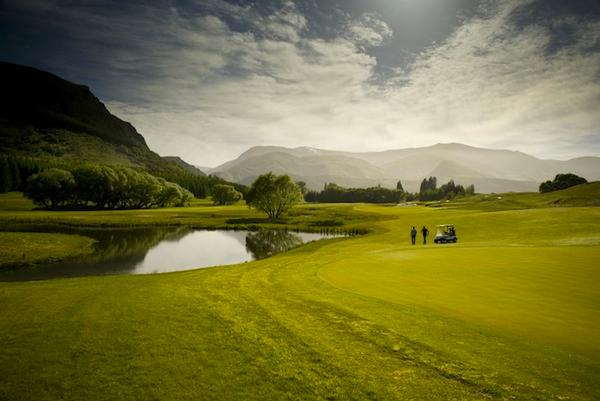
{"type": "Point", "coordinates": [160, 250]}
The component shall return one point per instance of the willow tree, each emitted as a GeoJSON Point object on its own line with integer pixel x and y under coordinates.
{"type": "Point", "coordinates": [273, 194]}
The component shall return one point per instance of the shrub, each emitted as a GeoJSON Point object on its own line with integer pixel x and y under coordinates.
{"type": "Point", "coordinates": [225, 195]}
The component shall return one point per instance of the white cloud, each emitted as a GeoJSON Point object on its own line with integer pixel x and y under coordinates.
{"type": "Point", "coordinates": [496, 85]}
{"type": "Point", "coordinates": [217, 92]}
{"type": "Point", "coordinates": [286, 24]}
{"type": "Point", "coordinates": [368, 31]}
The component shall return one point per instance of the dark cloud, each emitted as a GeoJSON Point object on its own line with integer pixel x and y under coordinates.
{"type": "Point", "coordinates": [213, 77]}
{"type": "Point", "coordinates": [560, 18]}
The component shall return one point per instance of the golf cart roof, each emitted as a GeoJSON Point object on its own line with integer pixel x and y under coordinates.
{"type": "Point", "coordinates": [445, 225]}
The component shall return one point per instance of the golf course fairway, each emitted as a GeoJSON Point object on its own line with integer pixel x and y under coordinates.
{"type": "Point", "coordinates": [510, 312]}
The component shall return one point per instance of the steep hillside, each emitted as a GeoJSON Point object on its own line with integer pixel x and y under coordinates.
{"type": "Point", "coordinates": [36, 98]}
{"type": "Point", "coordinates": [490, 170]}
{"type": "Point", "coordinates": [44, 116]}
{"type": "Point", "coordinates": [184, 165]}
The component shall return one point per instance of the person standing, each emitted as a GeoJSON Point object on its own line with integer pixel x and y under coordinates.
{"type": "Point", "coordinates": [425, 232]}
{"type": "Point", "coordinates": [413, 235]}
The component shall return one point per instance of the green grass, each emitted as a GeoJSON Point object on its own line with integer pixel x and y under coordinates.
{"type": "Point", "coordinates": [14, 201]}
{"type": "Point", "coordinates": [512, 311]}
{"type": "Point", "coordinates": [580, 195]}
{"type": "Point", "coordinates": [20, 248]}
{"type": "Point", "coordinates": [202, 214]}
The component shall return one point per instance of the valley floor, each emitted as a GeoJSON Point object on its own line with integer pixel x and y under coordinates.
{"type": "Point", "coordinates": [512, 311]}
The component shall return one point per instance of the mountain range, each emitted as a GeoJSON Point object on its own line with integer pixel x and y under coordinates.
{"type": "Point", "coordinates": [490, 170]}
{"type": "Point", "coordinates": [45, 117]}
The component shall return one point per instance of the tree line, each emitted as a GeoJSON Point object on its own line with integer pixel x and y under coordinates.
{"type": "Point", "coordinates": [103, 187]}
{"type": "Point", "coordinates": [201, 186]}
{"type": "Point", "coordinates": [428, 191]}
{"type": "Point", "coordinates": [15, 170]}
{"type": "Point", "coordinates": [333, 193]}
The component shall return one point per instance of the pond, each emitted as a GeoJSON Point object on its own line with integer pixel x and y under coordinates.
{"type": "Point", "coordinates": [160, 250]}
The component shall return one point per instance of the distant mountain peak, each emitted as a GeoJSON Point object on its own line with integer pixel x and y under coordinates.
{"type": "Point", "coordinates": [491, 170]}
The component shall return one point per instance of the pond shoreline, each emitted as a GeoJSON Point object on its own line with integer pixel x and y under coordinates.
{"type": "Point", "coordinates": [150, 249]}
{"type": "Point", "coordinates": [46, 248]}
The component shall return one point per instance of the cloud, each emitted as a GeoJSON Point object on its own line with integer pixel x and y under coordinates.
{"type": "Point", "coordinates": [491, 83]}
{"type": "Point", "coordinates": [285, 24]}
{"type": "Point", "coordinates": [368, 31]}
{"type": "Point", "coordinates": [208, 84]}
{"type": "Point", "coordinates": [495, 84]}
{"type": "Point", "coordinates": [282, 88]}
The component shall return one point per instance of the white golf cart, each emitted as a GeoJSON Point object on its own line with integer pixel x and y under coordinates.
{"type": "Point", "coordinates": [445, 234]}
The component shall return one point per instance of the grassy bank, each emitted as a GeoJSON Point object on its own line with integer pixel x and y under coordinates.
{"type": "Point", "coordinates": [19, 248]}
{"type": "Point", "coordinates": [14, 209]}
{"type": "Point", "coordinates": [512, 311]}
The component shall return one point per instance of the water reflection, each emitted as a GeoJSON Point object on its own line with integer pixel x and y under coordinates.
{"type": "Point", "coordinates": [196, 249]}
{"type": "Point", "coordinates": [265, 243]}
{"type": "Point", "coordinates": [158, 250]}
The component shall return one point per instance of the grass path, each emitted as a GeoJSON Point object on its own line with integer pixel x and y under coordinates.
{"type": "Point", "coordinates": [510, 312]}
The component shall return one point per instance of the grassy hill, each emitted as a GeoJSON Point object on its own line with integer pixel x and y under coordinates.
{"type": "Point", "coordinates": [45, 117]}
{"type": "Point", "coordinates": [580, 195]}
{"type": "Point", "coordinates": [512, 311]}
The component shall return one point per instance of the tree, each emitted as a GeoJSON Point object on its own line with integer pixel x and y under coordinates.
{"type": "Point", "coordinates": [273, 194]}
{"type": "Point", "coordinates": [428, 184]}
{"type": "Point", "coordinates": [450, 190]}
{"type": "Point", "coordinates": [225, 195]}
{"type": "Point", "coordinates": [186, 197]}
{"type": "Point", "coordinates": [104, 187]}
{"type": "Point", "coordinates": [399, 186]}
{"type": "Point", "coordinates": [562, 181]}
{"type": "Point", "coordinates": [302, 186]}
{"type": "Point", "coordinates": [265, 243]}
{"type": "Point", "coordinates": [94, 184]}
{"type": "Point", "coordinates": [51, 188]}
{"type": "Point", "coordinates": [6, 182]}
{"type": "Point", "coordinates": [168, 194]}
{"type": "Point", "coordinates": [334, 193]}
{"type": "Point", "coordinates": [16, 175]}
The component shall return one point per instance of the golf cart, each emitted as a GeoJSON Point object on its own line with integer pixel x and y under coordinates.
{"type": "Point", "coordinates": [445, 234]}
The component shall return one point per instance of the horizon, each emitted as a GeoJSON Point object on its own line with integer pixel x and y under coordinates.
{"type": "Point", "coordinates": [207, 81]}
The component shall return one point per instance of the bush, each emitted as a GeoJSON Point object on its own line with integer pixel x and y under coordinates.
{"type": "Point", "coordinates": [225, 195]}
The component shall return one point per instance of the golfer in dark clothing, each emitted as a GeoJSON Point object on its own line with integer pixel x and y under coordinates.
{"type": "Point", "coordinates": [413, 235]}
{"type": "Point", "coordinates": [425, 232]}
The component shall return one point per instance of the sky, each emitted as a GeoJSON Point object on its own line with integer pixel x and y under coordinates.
{"type": "Point", "coordinates": [207, 79]}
